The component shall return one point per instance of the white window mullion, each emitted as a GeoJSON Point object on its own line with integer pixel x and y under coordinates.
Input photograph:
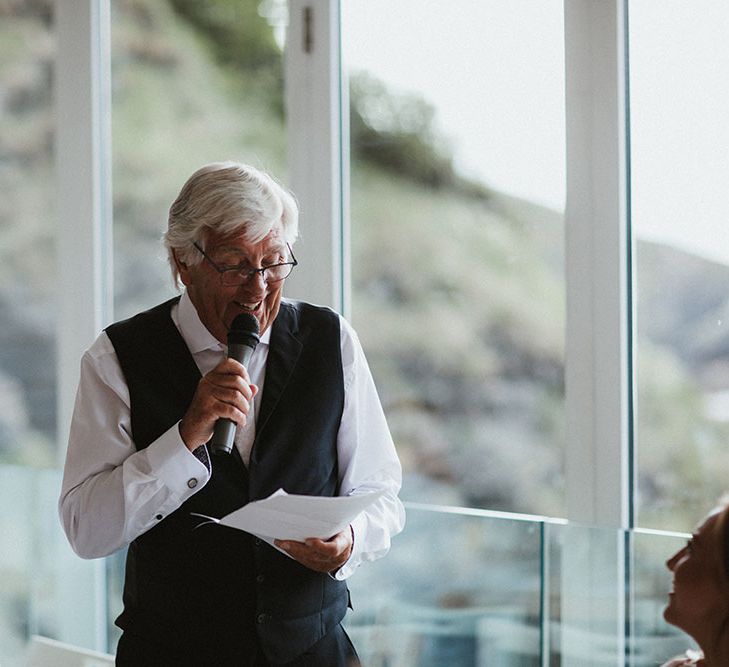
{"type": "Point", "coordinates": [596, 265]}
{"type": "Point", "coordinates": [82, 98]}
{"type": "Point", "coordinates": [82, 95]}
{"type": "Point", "coordinates": [596, 376]}
{"type": "Point", "coordinates": [316, 128]}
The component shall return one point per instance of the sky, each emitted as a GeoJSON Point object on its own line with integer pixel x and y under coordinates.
{"type": "Point", "coordinates": [494, 71]}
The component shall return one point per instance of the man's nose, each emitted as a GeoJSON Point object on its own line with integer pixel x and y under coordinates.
{"type": "Point", "coordinates": [256, 283]}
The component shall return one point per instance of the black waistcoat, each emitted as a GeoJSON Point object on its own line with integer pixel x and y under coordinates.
{"type": "Point", "coordinates": [207, 593]}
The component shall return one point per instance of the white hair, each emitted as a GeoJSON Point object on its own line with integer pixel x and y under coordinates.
{"type": "Point", "coordinates": [227, 199]}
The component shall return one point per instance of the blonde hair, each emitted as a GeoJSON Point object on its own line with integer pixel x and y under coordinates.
{"type": "Point", "coordinates": [226, 199]}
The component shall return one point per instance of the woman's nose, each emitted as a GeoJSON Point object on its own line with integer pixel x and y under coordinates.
{"type": "Point", "coordinates": [671, 562]}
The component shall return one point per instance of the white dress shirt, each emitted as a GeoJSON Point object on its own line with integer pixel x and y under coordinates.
{"type": "Point", "coordinates": [112, 493]}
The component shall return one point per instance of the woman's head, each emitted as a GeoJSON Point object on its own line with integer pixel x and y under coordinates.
{"type": "Point", "coordinates": [699, 600]}
{"type": "Point", "coordinates": [226, 199]}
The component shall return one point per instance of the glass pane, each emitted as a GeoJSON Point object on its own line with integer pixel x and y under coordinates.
{"type": "Point", "coordinates": [192, 83]}
{"type": "Point", "coordinates": [653, 640]}
{"type": "Point", "coordinates": [44, 588]}
{"type": "Point", "coordinates": [457, 201]}
{"type": "Point", "coordinates": [478, 600]}
{"type": "Point", "coordinates": [680, 204]}
{"type": "Point", "coordinates": [585, 583]}
{"type": "Point", "coordinates": [27, 251]}
{"type": "Point", "coordinates": [454, 590]}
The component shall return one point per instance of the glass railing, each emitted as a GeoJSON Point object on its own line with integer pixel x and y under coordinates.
{"type": "Point", "coordinates": [653, 640]}
{"type": "Point", "coordinates": [471, 588]}
{"type": "Point", "coordinates": [457, 588]}
{"type": "Point", "coordinates": [45, 589]}
{"type": "Point", "coordinates": [460, 588]}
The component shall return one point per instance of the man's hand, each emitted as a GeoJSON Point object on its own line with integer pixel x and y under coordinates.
{"type": "Point", "coordinates": [320, 555]}
{"type": "Point", "coordinates": [226, 391]}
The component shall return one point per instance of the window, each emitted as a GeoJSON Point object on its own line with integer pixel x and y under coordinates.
{"type": "Point", "coordinates": [457, 205]}
{"type": "Point", "coordinates": [192, 83]}
{"type": "Point", "coordinates": [44, 588]}
{"type": "Point", "coordinates": [680, 206]}
{"type": "Point", "coordinates": [27, 361]}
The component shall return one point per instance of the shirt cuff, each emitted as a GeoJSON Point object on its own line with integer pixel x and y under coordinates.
{"type": "Point", "coordinates": [175, 465]}
{"type": "Point", "coordinates": [201, 454]}
{"type": "Point", "coordinates": [358, 530]}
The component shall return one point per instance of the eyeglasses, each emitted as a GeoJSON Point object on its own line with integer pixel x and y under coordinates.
{"type": "Point", "coordinates": [232, 276]}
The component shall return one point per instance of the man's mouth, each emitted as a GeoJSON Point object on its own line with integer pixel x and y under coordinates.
{"type": "Point", "coordinates": [248, 307]}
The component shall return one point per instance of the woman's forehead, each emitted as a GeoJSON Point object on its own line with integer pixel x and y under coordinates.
{"type": "Point", "coordinates": [706, 525]}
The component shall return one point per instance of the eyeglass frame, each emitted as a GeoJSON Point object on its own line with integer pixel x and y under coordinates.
{"type": "Point", "coordinates": [251, 272]}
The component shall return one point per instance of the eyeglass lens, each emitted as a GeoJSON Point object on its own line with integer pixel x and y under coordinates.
{"type": "Point", "coordinates": [270, 274]}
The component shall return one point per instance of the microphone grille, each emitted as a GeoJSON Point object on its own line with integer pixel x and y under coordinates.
{"type": "Point", "coordinates": [244, 330]}
{"type": "Point", "coordinates": [245, 322]}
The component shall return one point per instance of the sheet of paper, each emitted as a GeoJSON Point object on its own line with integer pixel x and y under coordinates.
{"type": "Point", "coordinates": [294, 517]}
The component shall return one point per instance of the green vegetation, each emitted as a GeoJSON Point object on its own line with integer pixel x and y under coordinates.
{"type": "Point", "coordinates": [396, 133]}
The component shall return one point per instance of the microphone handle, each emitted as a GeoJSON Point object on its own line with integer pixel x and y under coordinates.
{"type": "Point", "coordinates": [224, 431]}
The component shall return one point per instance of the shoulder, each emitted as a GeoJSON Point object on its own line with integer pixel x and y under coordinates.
{"type": "Point", "coordinates": [99, 350]}
{"type": "Point", "coordinates": [310, 319]}
{"type": "Point", "coordinates": [100, 368]}
{"type": "Point", "coordinates": [306, 314]}
{"type": "Point", "coordinates": [131, 338]}
{"type": "Point", "coordinates": [306, 319]}
{"type": "Point", "coordinates": [143, 320]}
{"type": "Point", "coordinates": [304, 309]}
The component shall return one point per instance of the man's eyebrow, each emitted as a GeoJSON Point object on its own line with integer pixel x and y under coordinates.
{"type": "Point", "coordinates": [229, 250]}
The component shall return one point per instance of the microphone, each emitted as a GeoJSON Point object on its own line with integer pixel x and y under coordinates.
{"type": "Point", "coordinates": [242, 340]}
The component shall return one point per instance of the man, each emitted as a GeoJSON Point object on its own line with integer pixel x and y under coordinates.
{"type": "Point", "coordinates": [138, 470]}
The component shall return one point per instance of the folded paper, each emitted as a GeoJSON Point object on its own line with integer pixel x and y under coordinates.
{"type": "Point", "coordinates": [285, 516]}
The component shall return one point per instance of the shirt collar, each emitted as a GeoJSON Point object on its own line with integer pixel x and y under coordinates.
{"type": "Point", "coordinates": [195, 333]}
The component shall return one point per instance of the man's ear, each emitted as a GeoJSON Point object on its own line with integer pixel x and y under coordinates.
{"type": "Point", "coordinates": [182, 268]}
